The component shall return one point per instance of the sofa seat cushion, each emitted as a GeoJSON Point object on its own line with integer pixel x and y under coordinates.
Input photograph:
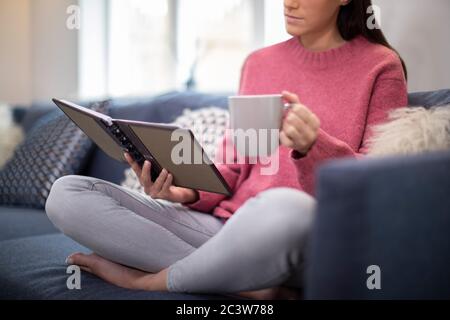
{"type": "Point", "coordinates": [34, 268]}
{"type": "Point", "coordinates": [18, 222]}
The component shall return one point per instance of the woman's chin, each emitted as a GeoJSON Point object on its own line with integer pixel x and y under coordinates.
{"type": "Point", "coordinates": [295, 31]}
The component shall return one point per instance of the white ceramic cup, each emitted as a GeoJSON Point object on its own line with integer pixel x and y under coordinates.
{"type": "Point", "coordinates": [255, 122]}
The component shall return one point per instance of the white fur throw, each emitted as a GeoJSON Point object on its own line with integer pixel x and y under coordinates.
{"type": "Point", "coordinates": [412, 130]}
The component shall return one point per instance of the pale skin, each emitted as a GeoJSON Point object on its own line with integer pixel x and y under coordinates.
{"type": "Point", "coordinates": [315, 22]}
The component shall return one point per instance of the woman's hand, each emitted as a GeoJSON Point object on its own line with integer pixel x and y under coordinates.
{"type": "Point", "coordinates": [300, 126]}
{"type": "Point", "coordinates": [162, 187]}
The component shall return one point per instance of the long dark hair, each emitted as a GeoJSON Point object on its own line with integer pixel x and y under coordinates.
{"type": "Point", "coordinates": [351, 23]}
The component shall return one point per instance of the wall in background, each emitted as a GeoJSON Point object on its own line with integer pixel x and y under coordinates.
{"type": "Point", "coordinates": [420, 31]}
{"type": "Point", "coordinates": [54, 47]}
{"type": "Point", "coordinates": [39, 57]}
{"type": "Point", "coordinates": [15, 55]}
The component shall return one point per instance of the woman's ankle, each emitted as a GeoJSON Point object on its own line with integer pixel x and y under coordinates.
{"type": "Point", "coordinates": [154, 281]}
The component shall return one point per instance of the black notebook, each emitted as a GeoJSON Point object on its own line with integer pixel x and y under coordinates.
{"type": "Point", "coordinates": [153, 142]}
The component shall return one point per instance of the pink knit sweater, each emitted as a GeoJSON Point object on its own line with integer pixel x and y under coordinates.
{"type": "Point", "coordinates": [350, 89]}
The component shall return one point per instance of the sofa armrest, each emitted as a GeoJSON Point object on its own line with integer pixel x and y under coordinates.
{"type": "Point", "coordinates": [393, 213]}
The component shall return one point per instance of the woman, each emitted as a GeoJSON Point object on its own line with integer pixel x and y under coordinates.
{"type": "Point", "coordinates": [341, 77]}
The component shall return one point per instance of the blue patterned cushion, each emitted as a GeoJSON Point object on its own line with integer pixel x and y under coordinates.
{"type": "Point", "coordinates": [54, 147]}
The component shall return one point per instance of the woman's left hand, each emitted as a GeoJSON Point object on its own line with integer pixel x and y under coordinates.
{"type": "Point", "coordinates": [300, 126]}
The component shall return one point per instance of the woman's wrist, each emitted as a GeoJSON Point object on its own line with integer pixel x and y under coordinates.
{"type": "Point", "coordinates": [297, 154]}
{"type": "Point", "coordinates": [192, 196]}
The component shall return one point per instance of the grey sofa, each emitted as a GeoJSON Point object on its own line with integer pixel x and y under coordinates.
{"type": "Point", "coordinates": [394, 213]}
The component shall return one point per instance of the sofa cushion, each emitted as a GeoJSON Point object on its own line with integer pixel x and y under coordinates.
{"type": "Point", "coordinates": [392, 213]}
{"type": "Point", "coordinates": [430, 98]}
{"type": "Point", "coordinates": [28, 116]}
{"type": "Point", "coordinates": [54, 147]}
{"type": "Point", "coordinates": [34, 268]}
{"type": "Point", "coordinates": [22, 222]}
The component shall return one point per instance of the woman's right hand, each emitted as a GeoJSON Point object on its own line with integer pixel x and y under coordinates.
{"type": "Point", "coordinates": [162, 187]}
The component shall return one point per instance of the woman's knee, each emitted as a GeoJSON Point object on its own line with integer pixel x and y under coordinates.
{"type": "Point", "coordinates": [286, 202]}
{"type": "Point", "coordinates": [292, 200]}
{"type": "Point", "coordinates": [286, 213]}
{"type": "Point", "coordinates": [62, 199]}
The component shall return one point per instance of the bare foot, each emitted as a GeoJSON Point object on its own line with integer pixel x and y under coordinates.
{"type": "Point", "coordinates": [276, 293]}
{"type": "Point", "coordinates": [118, 274]}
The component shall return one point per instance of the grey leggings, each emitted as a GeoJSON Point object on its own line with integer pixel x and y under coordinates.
{"type": "Point", "coordinates": [262, 245]}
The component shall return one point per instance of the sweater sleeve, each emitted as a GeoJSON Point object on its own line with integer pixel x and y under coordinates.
{"type": "Point", "coordinates": [389, 92]}
{"type": "Point", "coordinates": [227, 162]}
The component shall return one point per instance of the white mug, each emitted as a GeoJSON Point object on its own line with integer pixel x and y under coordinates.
{"type": "Point", "coordinates": [255, 122]}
